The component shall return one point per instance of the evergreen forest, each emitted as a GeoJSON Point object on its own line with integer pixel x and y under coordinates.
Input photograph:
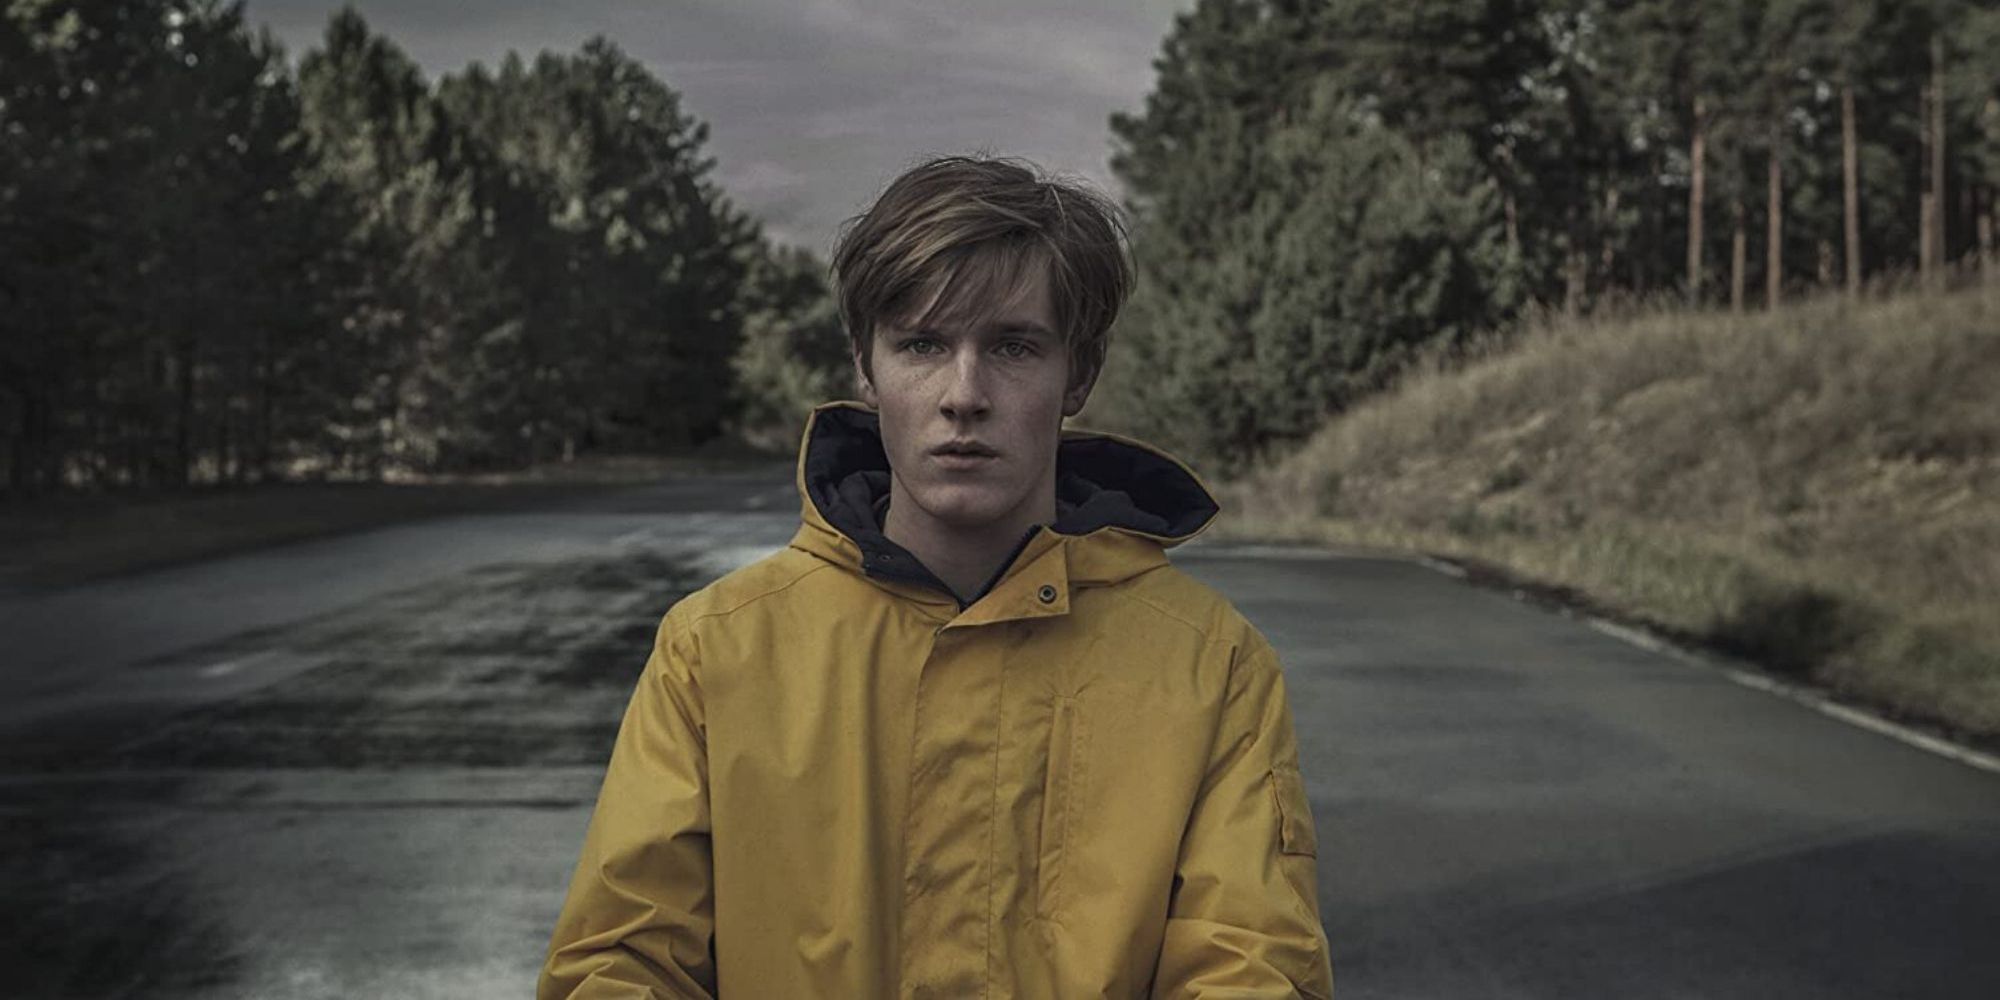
{"type": "Point", "coordinates": [220, 264]}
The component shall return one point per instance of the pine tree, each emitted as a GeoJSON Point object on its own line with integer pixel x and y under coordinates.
{"type": "Point", "coordinates": [794, 354]}
{"type": "Point", "coordinates": [382, 141]}
{"type": "Point", "coordinates": [651, 252]}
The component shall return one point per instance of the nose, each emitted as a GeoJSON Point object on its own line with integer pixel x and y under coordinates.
{"type": "Point", "coordinates": [965, 391]}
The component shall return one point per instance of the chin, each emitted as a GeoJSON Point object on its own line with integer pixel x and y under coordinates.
{"type": "Point", "coordinates": [965, 506]}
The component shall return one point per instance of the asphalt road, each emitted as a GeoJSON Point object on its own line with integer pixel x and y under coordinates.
{"type": "Point", "coordinates": [74, 650]}
{"type": "Point", "coordinates": [362, 767]}
{"type": "Point", "coordinates": [1514, 804]}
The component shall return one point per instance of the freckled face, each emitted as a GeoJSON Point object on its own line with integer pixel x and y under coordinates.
{"type": "Point", "coordinates": [1004, 385]}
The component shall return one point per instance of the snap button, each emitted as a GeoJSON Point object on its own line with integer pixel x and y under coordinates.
{"type": "Point", "coordinates": [1048, 594]}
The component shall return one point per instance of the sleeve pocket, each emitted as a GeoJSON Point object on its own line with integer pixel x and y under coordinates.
{"type": "Point", "coordinates": [1295, 823]}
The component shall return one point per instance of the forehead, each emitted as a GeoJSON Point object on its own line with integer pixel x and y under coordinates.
{"type": "Point", "coordinates": [985, 292]}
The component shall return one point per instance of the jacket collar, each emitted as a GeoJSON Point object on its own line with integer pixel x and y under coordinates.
{"type": "Point", "coordinates": [1119, 503]}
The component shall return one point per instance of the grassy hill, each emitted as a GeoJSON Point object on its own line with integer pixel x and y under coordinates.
{"type": "Point", "coordinates": [1817, 489]}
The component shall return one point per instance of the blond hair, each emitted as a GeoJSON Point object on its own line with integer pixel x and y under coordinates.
{"type": "Point", "coordinates": [970, 226]}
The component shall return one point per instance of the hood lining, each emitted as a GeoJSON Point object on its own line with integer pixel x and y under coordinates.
{"type": "Point", "coordinates": [1101, 482]}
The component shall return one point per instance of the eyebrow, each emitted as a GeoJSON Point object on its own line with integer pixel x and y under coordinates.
{"type": "Point", "coordinates": [1025, 326]}
{"type": "Point", "coordinates": [1004, 326]}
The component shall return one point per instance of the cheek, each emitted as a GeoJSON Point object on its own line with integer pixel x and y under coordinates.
{"type": "Point", "coordinates": [900, 405]}
{"type": "Point", "coordinates": [902, 381]}
{"type": "Point", "coordinates": [901, 392]}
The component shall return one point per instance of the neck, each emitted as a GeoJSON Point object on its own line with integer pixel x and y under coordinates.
{"type": "Point", "coordinates": [965, 557]}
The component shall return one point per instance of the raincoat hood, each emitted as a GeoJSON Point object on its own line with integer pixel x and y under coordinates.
{"type": "Point", "coordinates": [1119, 504]}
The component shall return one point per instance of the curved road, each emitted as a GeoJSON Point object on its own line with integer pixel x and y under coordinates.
{"type": "Point", "coordinates": [361, 767]}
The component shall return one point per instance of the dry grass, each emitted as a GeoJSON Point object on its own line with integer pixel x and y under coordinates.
{"type": "Point", "coordinates": [1817, 489]}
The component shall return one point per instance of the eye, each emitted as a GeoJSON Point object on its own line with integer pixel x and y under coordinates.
{"type": "Point", "coordinates": [910, 344]}
{"type": "Point", "coordinates": [1017, 349]}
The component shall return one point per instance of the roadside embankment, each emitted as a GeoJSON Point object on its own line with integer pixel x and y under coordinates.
{"type": "Point", "coordinates": [1816, 489]}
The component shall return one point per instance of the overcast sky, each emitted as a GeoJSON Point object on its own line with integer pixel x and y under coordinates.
{"type": "Point", "coordinates": [813, 105]}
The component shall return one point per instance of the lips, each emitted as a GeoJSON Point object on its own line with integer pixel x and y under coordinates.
{"type": "Point", "coordinates": [963, 456]}
{"type": "Point", "coordinates": [959, 461]}
{"type": "Point", "coordinates": [965, 449]}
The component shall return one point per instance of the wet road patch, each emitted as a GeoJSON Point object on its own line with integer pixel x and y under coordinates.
{"type": "Point", "coordinates": [94, 910]}
{"type": "Point", "coordinates": [517, 665]}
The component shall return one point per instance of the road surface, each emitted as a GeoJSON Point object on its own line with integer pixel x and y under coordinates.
{"type": "Point", "coordinates": [362, 767]}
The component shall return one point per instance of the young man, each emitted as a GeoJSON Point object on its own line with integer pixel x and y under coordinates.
{"type": "Point", "coordinates": [971, 734]}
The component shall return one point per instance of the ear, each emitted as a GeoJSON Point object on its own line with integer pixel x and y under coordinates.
{"type": "Point", "coordinates": [1078, 392]}
{"type": "Point", "coordinates": [862, 385]}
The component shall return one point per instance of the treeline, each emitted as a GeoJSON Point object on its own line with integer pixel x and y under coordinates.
{"type": "Point", "coordinates": [218, 267]}
{"type": "Point", "coordinates": [1325, 188]}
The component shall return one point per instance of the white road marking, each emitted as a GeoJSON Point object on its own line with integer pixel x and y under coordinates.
{"type": "Point", "coordinates": [1452, 570]}
{"type": "Point", "coordinates": [1747, 676]}
{"type": "Point", "coordinates": [1309, 552]}
{"type": "Point", "coordinates": [1806, 696]}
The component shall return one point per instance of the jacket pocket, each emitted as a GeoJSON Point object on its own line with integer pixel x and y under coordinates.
{"type": "Point", "coordinates": [1296, 834]}
{"type": "Point", "coordinates": [1059, 802]}
{"type": "Point", "coordinates": [1298, 841]}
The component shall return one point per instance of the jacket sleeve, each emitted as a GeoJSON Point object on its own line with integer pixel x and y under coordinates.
{"type": "Point", "coordinates": [1244, 917]}
{"type": "Point", "coordinates": [639, 918]}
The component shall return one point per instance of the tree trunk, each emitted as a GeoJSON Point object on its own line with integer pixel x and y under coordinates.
{"type": "Point", "coordinates": [1937, 145]}
{"type": "Point", "coordinates": [1850, 183]}
{"type": "Point", "coordinates": [1927, 223]}
{"type": "Point", "coordinates": [1697, 169]}
{"type": "Point", "coordinates": [151, 457]}
{"type": "Point", "coordinates": [1968, 211]}
{"type": "Point", "coordinates": [1926, 210]}
{"type": "Point", "coordinates": [1989, 215]}
{"type": "Point", "coordinates": [1739, 253]}
{"type": "Point", "coordinates": [1985, 226]}
{"type": "Point", "coordinates": [1645, 265]}
{"type": "Point", "coordinates": [1607, 245]}
{"type": "Point", "coordinates": [1574, 261]}
{"type": "Point", "coordinates": [184, 458]}
{"type": "Point", "coordinates": [26, 459]}
{"type": "Point", "coordinates": [1774, 223]}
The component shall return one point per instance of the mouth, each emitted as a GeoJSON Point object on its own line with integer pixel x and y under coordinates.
{"type": "Point", "coordinates": [963, 455]}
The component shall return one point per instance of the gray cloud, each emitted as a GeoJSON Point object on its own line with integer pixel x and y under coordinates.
{"type": "Point", "coordinates": [814, 104]}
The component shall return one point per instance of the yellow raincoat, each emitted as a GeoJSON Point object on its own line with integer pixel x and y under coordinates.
{"type": "Point", "coordinates": [835, 780]}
